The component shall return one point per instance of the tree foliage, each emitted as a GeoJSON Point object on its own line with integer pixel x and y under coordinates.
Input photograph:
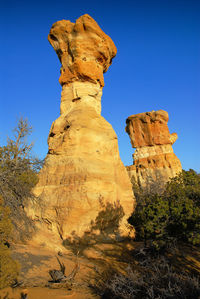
{"type": "Point", "coordinates": [18, 174]}
{"type": "Point", "coordinates": [172, 215]}
{"type": "Point", "coordinates": [183, 197]}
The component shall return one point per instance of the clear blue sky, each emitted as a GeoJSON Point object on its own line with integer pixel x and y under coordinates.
{"type": "Point", "coordinates": [157, 67]}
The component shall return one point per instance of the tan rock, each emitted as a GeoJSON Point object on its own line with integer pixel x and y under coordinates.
{"type": "Point", "coordinates": [154, 159]}
{"type": "Point", "coordinates": [84, 189]}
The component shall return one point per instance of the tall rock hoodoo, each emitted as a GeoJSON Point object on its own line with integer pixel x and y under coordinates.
{"type": "Point", "coordinates": [83, 187]}
{"type": "Point", "coordinates": [154, 159]}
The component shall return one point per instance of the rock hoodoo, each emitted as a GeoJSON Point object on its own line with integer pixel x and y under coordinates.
{"type": "Point", "coordinates": [154, 159]}
{"type": "Point", "coordinates": [83, 188]}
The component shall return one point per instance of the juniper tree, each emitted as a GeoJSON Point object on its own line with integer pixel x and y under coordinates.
{"type": "Point", "coordinates": [173, 215]}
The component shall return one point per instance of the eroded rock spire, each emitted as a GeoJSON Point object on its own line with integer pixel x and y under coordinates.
{"type": "Point", "coordinates": [84, 189]}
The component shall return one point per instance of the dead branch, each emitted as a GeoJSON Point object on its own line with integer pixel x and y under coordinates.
{"type": "Point", "coordinates": [59, 276]}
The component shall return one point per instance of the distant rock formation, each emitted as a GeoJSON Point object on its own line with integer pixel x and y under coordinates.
{"type": "Point", "coordinates": [83, 188]}
{"type": "Point", "coordinates": [154, 160]}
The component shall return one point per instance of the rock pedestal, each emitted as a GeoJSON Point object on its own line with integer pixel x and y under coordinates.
{"type": "Point", "coordinates": [83, 189]}
{"type": "Point", "coordinates": [154, 160]}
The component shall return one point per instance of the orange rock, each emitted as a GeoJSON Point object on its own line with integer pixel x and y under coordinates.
{"type": "Point", "coordinates": [154, 159]}
{"type": "Point", "coordinates": [83, 189]}
{"type": "Point", "coordinates": [84, 50]}
{"type": "Point", "coordinates": [150, 128]}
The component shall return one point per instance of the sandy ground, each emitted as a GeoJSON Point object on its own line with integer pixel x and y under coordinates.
{"type": "Point", "coordinates": [36, 261]}
{"type": "Point", "coordinates": [44, 293]}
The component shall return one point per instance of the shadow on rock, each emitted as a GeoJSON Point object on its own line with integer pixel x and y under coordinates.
{"type": "Point", "coordinates": [104, 229]}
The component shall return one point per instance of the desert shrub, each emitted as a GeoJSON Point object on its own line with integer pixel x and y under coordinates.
{"type": "Point", "coordinates": [154, 280]}
{"type": "Point", "coordinates": [8, 267]}
{"type": "Point", "coordinates": [183, 196]}
{"type": "Point", "coordinates": [18, 175]}
{"type": "Point", "coordinates": [173, 215]}
{"type": "Point", "coordinates": [150, 218]}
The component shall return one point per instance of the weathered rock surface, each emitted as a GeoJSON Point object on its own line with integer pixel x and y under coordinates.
{"type": "Point", "coordinates": [84, 50]}
{"type": "Point", "coordinates": [84, 189]}
{"type": "Point", "coordinates": [154, 159]}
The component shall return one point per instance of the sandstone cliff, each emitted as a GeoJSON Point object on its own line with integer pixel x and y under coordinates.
{"type": "Point", "coordinates": [154, 159]}
{"type": "Point", "coordinates": [84, 189]}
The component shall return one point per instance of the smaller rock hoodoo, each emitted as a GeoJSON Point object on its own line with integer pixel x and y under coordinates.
{"type": "Point", "coordinates": [154, 159]}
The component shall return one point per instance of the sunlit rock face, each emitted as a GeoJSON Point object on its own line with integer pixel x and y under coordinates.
{"type": "Point", "coordinates": [84, 50]}
{"type": "Point", "coordinates": [154, 161]}
{"type": "Point", "coordinates": [83, 188]}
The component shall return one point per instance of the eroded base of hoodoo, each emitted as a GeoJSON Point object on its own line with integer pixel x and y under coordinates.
{"type": "Point", "coordinates": [86, 204]}
{"type": "Point", "coordinates": [154, 171]}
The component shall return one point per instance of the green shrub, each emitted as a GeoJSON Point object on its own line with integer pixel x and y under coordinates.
{"type": "Point", "coordinates": [172, 215]}
{"type": "Point", "coordinates": [183, 196]}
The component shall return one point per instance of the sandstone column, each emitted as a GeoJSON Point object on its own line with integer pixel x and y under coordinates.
{"type": "Point", "coordinates": [154, 160]}
{"type": "Point", "coordinates": [83, 187]}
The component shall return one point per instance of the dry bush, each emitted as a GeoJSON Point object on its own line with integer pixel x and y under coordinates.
{"type": "Point", "coordinates": [18, 175]}
{"type": "Point", "coordinates": [155, 279]}
{"type": "Point", "coordinates": [8, 267]}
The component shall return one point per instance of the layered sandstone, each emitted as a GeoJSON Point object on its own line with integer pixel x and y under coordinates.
{"type": "Point", "coordinates": [154, 159]}
{"type": "Point", "coordinates": [83, 189]}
